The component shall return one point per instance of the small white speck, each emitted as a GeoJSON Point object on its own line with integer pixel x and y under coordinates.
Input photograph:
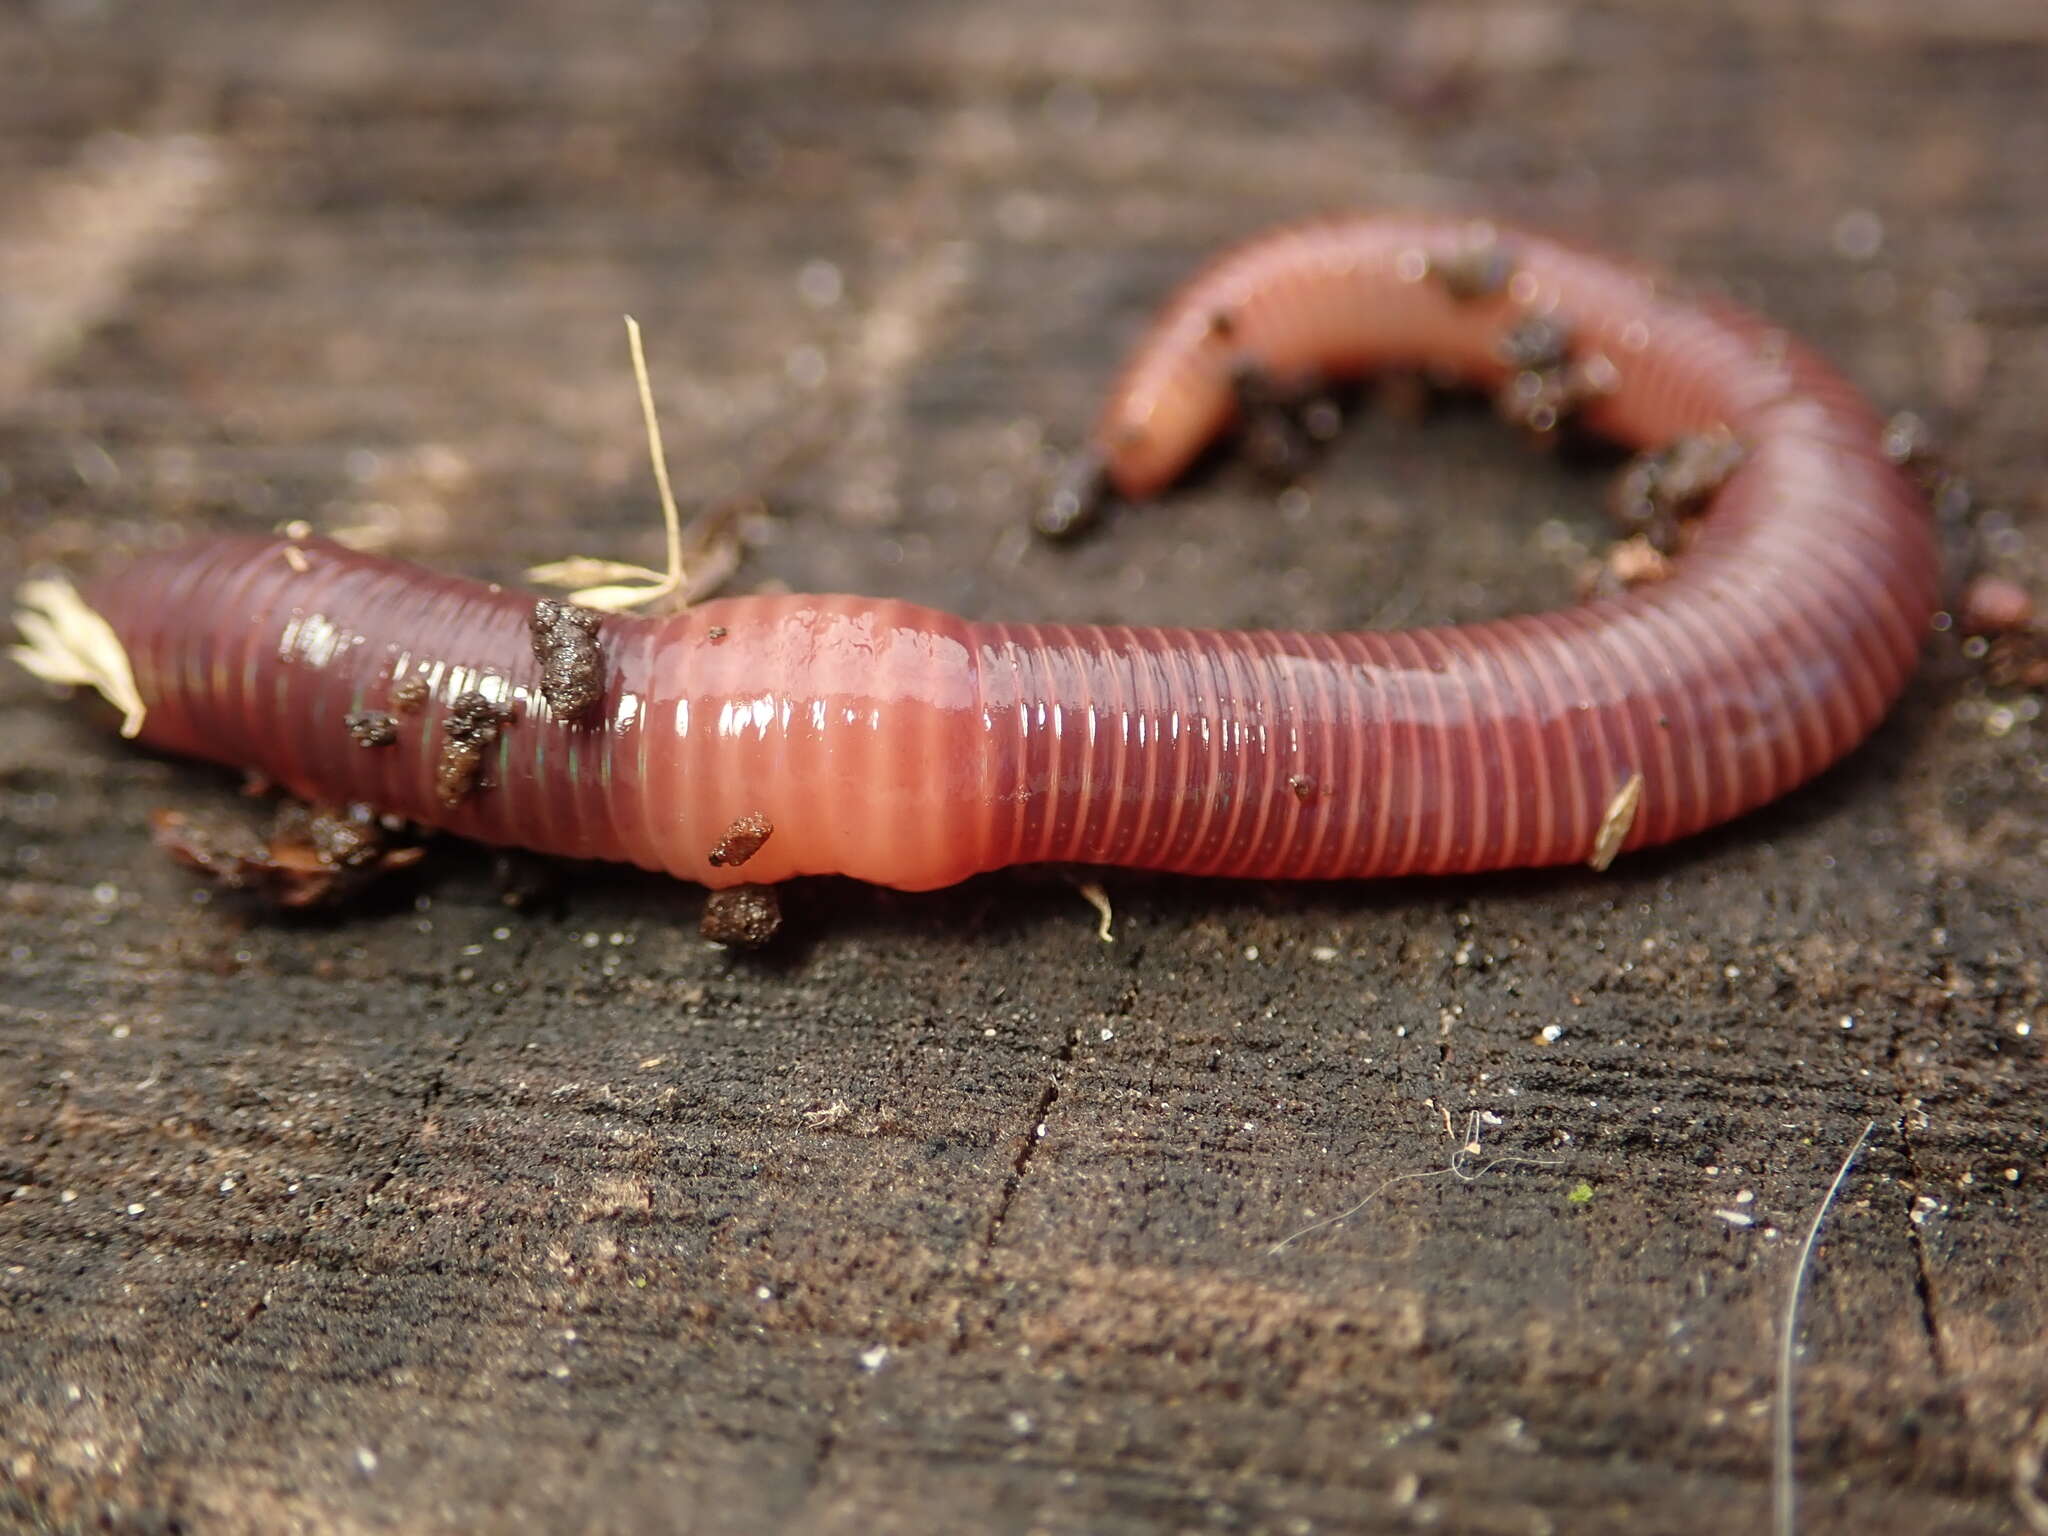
{"type": "Point", "coordinates": [1732, 972]}
{"type": "Point", "coordinates": [1020, 1422]}
{"type": "Point", "coordinates": [1550, 1034]}
{"type": "Point", "coordinates": [1924, 1206]}
{"type": "Point", "coordinates": [106, 893]}
{"type": "Point", "coordinates": [1848, 1021]}
{"type": "Point", "coordinates": [2023, 1029]}
{"type": "Point", "coordinates": [1322, 952]}
{"type": "Point", "coordinates": [1251, 951]}
{"type": "Point", "coordinates": [227, 1185]}
{"type": "Point", "coordinates": [501, 934]}
{"type": "Point", "coordinates": [820, 284]}
{"type": "Point", "coordinates": [871, 1359]}
{"type": "Point", "coordinates": [559, 1372]}
{"type": "Point", "coordinates": [1744, 1196]}
{"type": "Point", "coordinates": [1858, 235]}
{"type": "Point", "coordinates": [137, 1209]}
{"type": "Point", "coordinates": [366, 1458]}
{"type": "Point", "coordinates": [1108, 1034]}
{"type": "Point", "coordinates": [764, 1293]}
{"type": "Point", "coordinates": [1736, 1218]}
{"type": "Point", "coordinates": [2012, 1175]}
{"type": "Point", "coordinates": [67, 1197]}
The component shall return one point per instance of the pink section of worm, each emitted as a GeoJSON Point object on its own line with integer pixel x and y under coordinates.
{"type": "Point", "coordinates": [911, 748]}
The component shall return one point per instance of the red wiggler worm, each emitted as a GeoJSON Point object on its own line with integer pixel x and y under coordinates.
{"type": "Point", "coordinates": [752, 739]}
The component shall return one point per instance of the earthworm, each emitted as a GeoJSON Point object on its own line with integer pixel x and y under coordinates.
{"type": "Point", "coordinates": [912, 748]}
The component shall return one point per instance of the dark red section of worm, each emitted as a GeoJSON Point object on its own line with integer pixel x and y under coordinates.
{"type": "Point", "coordinates": [912, 748]}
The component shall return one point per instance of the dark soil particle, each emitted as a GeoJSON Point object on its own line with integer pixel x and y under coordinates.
{"type": "Point", "coordinates": [309, 856]}
{"type": "Point", "coordinates": [744, 916]}
{"type": "Point", "coordinates": [571, 664]}
{"type": "Point", "coordinates": [468, 731]}
{"type": "Point", "coordinates": [1660, 488]}
{"type": "Point", "coordinates": [1478, 270]}
{"type": "Point", "coordinates": [372, 728]}
{"type": "Point", "coordinates": [742, 840]}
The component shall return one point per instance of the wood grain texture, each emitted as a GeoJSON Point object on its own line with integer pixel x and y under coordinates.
{"type": "Point", "coordinates": [440, 1215]}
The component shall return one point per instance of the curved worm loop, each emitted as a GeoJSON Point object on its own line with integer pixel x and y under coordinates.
{"type": "Point", "coordinates": [912, 748]}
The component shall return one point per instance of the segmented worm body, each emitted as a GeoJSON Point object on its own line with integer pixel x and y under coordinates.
{"type": "Point", "coordinates": [911, 748]}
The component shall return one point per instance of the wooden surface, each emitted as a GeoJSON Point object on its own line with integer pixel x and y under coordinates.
{"type": "Point", "coordinates": [945, 1215]}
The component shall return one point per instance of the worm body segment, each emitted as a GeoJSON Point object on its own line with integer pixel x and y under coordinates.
{"type": "Point", "coordinates": [912, 748]}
